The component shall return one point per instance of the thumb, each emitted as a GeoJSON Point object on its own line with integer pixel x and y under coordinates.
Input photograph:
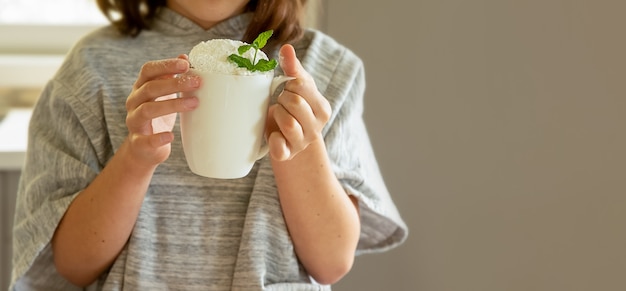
{"type": "Point", "coordinates": [289, 62]}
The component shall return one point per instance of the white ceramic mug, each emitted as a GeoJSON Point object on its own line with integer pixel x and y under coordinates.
{"type": "Point", "coordinates": [224, 136]}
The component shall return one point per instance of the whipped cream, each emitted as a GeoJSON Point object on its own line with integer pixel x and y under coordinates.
{"type": "Point", "coordinates": [212, 56]}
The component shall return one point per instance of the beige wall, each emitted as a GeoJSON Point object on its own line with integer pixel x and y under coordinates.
{"type": "Point", "coordinates": [500, 129]}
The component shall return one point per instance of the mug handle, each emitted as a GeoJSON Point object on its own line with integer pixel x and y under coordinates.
{"type": "Point", "coordinates": [276, 81]}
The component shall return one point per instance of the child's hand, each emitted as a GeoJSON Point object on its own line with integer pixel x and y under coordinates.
{"type": "Point", "coordinates": [152, 107]}
{"type": "Point", "coordinates": [301, 111]}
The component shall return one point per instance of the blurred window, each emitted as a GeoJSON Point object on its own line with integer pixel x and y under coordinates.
{"type": "Point", "coordinates": [45, 26]}
{"type": "Point", "coordinates": [50, 12]}
{"type": "Point", "coordinates": [35, 35]}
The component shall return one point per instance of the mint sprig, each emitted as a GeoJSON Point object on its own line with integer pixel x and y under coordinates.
{"type": "Point", "coordinates": [253, 65]}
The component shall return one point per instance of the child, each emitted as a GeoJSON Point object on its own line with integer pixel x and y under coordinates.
{"type": "Point", "coordinates": [107, 202]}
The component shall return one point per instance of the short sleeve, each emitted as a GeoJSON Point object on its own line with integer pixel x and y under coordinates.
{"type": "Point", "coordinates": [60, 162]}
{"type": "Point", "coordinates": [353, 158]}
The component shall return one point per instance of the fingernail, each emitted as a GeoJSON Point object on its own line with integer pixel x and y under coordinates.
{"type": "Point", "coordinates": [165, 138]}
{"type": "Point", "coordinates": [181, 65]}
{"type": "Point", "coordinates": [191, 102]}
{"type": "Point", "coordinates": [194, 82]}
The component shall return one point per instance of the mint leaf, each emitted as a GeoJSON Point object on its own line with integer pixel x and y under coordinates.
{"type": "Point", "coordinates": [261, 40]}
{"type": "Point", "coordinates": [252, 65]}
{"type": "Point", "coordinates": [243, 49]}
{"type": "Point", "coordinates": [264, 65]}
{"type": "Point", "coordinates": [241, 62]}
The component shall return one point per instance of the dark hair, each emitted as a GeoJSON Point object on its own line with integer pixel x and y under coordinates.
{"type": "Point", "coordinates": [285, 17]}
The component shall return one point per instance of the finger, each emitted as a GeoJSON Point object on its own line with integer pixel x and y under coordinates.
{"type": "Point", "coordinates": [154, 89]}
{"type": "Point", "coordinates": [145, 144]}
{"type": "Point", "coordinates": [270, 122]}
{"type": "Point", "coordinates": [294, 103]}
{"type": "Point", "coordinates": [156, 69]}
{"type": "Point", "coordinates": [147, 147]}
{"type": "Point", "coordinates": [315, 102]}
{"type": "Point", "coordinates": [279, 148]}
{"type": "Point", "coordinates": [298, 108]}
{"type": "Point", "coordinates": [160, 139]}
{"type": "Point", "coordinates": [144, 113]}
{"type": "Point", "coordinates": [303, 85]}
{"type": "Point", "coordinates": [289, 127]}
{"type": "Point", "coordinates": [289, 62]}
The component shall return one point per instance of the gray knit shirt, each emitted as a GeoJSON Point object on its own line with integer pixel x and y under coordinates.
{"type": "Point", "coordinates": [192, 233]}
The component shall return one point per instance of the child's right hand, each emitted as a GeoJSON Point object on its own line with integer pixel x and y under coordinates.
{"type": "Point", "coordinates": [152, 106]}
{"type": "Point", "coordinates": [87, 241]}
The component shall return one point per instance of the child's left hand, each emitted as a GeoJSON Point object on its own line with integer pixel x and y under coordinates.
{"type": "Point", "coordinates": [300, 114]}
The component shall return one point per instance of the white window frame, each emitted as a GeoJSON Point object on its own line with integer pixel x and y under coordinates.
{"type": "Point", "coordinates": [30, 53]}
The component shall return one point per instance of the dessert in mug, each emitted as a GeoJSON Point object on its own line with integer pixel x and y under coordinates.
{"type": "Point", "coordinates": [223, 137]}
{"type": "Point", "coordinates": [212, 56]}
